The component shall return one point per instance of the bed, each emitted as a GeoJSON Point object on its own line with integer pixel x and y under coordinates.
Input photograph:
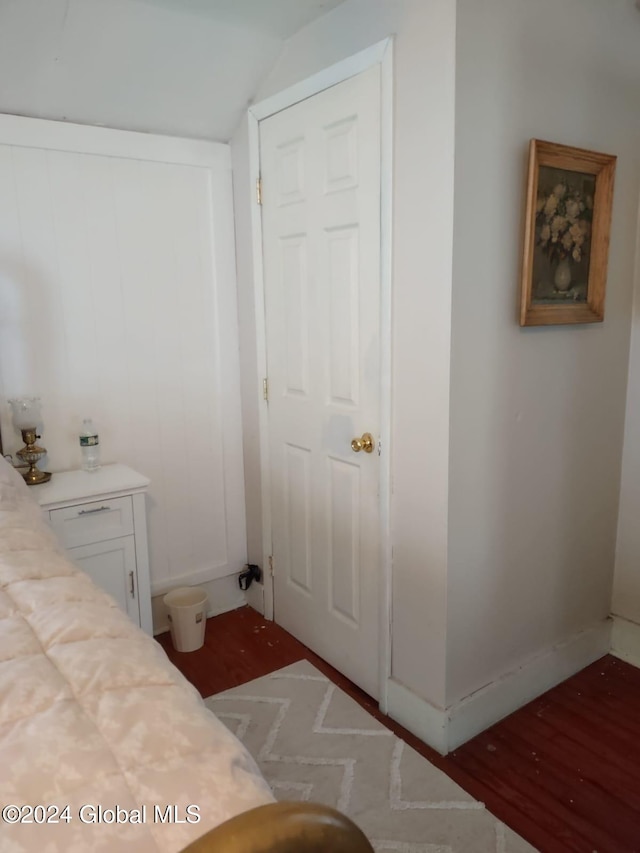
{"type": "Point", "coordinates": [103, 743]}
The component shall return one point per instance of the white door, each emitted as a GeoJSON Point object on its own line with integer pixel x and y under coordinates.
{"type": "Point", "coordinates": [320, 162]}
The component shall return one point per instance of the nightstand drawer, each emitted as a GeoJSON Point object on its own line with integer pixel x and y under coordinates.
{"type": "Point", "coordinates": [96, 521]}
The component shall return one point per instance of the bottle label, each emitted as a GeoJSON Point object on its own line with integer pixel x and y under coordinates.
{"type": "Point", "coordinates": [89, 440]}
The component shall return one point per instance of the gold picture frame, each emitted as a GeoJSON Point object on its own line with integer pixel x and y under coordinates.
{"type": "Point", "coordinates": [566, 242]}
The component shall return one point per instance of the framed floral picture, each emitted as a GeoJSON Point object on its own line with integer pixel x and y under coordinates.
{"type": "Point", "coordinates": [566, 242]}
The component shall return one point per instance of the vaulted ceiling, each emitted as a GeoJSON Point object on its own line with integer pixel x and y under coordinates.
{"type": "Point", "coordinates": [180, 67]}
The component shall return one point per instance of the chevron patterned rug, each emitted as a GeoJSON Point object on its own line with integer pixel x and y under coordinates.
{"type": "Point", "coordinates": [313, 742]}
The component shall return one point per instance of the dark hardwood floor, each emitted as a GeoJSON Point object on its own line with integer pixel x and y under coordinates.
{"type": "Point", "coordinates": [563, 772]}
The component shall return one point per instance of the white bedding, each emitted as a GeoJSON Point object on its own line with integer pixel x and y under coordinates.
{"type": "Point", "coordinates": [93, 715]}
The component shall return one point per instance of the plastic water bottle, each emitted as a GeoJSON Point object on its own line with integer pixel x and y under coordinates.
{"type": "Point", "coordinates": [90, 446]}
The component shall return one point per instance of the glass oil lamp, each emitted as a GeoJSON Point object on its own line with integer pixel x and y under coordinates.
{"type": "Point", "coordinates": [26, 417]}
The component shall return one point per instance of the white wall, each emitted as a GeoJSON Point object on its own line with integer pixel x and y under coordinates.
{"type": "Point", "coordinates": [422, 222]}
{"type": "Point", "coordinates": [117, 301]}
{"type": "Point", "coordinates": [514, 553]}
{"type": "Point", "coordinates": [536, 414]}
{"type": "Point", "coordinates": [626, 588]}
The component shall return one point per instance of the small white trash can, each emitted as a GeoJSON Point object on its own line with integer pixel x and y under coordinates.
{"type": "Point", "coordinates": [187, 607]}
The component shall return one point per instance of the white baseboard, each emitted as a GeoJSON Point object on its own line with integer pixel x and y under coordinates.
{"type": "Point", "coordinates": [418, 716]}
{"type": "Point", "coordinates": [492, 703]}
{"type": "Point", "coordinates": [200, 577]}
{"type": "Point", "coordinates": [446, 730]}
{"type": "Point", "coordinates": [224, 595]}
{"type": "Point", "coordinates": [625, 640]}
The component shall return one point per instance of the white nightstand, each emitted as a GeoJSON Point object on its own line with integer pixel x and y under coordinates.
{"type": "Point", "coordinates": [100, 518]}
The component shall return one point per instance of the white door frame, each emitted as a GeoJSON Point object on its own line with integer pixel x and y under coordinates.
{"type": "Point", "coordinates": [380, 53]}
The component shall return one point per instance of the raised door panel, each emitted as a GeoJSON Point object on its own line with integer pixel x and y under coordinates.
{"type": "Point", "coordinates": [296, 315]}
{"type": "Point", "coordinates": [344, 551]}
{"type": "Point", "coordinates": [112, 566]}
{"type": "Point", "coordinates": [343, 288]}
{"type": "Point", "coordinates": [297, 500]}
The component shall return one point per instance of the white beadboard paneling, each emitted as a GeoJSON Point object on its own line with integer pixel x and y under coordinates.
{"type": "Point", "coordinates": [101, 235]}
{"type": "Point", "coordinates": [77, 314]}
{"type": "Point", "coordinates": [12, 298]}
{"type": "Point", "coordinates": [118, 302]}
{"type": "Point", "coordinates": [38, 357]}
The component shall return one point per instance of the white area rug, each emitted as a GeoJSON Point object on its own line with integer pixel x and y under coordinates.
{"type": "Point", "coordinates": [313, 742]}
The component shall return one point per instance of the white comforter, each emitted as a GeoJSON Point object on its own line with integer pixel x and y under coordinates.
{"type": "Point", "coordinates": [93, 716]}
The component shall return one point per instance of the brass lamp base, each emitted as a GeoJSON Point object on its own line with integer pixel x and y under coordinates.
{"type": "Point", "coordinates": [30, 454]}
{"type": "Point", "coordinates": [34, 476]}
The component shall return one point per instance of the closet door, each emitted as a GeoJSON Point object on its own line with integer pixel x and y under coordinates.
{"type": "Point", "coordinates": [320, 162]}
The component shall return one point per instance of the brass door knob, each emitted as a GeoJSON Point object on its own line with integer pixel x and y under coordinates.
{"type": "Point", "coordinates": [365, 443]}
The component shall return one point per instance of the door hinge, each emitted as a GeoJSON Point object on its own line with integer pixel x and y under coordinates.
{"type": "Point", "coordinates": [265, 389]}
{"type": "Point", "coordinates": [270, 567]}
{"type": "Point", "coordinates": [259, 190]}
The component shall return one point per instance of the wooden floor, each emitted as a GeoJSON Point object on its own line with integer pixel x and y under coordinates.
{"type": "Point", "coordinates": [563, 772]}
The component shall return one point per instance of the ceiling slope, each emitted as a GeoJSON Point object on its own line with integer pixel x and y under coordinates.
{"type": "Point", "coordinates": [178, 67]}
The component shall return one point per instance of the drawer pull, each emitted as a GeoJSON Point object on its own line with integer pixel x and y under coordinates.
{"type": "Point", "coordinates": [132, 588]}
{"type": "Point", "coordinates": [91, 511]}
